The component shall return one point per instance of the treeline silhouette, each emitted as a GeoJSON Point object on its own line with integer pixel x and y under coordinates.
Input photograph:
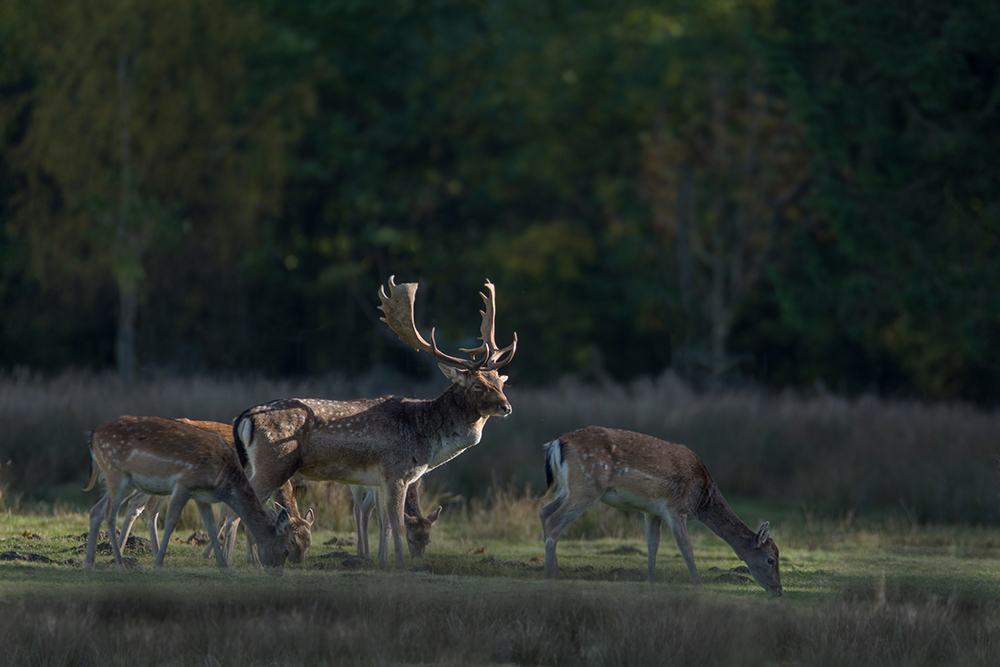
{"type": "Point", "coordinates": [782, 192]}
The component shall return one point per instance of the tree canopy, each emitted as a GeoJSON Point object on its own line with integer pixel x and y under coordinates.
{"type": "Point", "coordinates": [780, 191]}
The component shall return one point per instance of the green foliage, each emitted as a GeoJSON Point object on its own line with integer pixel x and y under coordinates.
{"type": "Point", "coordinates": [899, 102]}
{"type": "Point", "coordinates": [781, 190]}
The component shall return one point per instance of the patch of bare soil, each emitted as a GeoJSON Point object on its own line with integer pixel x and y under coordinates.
{"type": "Point", "coordinates": [33, 558]}
{"type": "Point", "coordinates": [342, 560]}
{"type": "Point", "coordinates": [133, 545]}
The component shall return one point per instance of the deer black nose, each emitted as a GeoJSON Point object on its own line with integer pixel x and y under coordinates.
{"type": "Point", "coordinates": [506, 408]}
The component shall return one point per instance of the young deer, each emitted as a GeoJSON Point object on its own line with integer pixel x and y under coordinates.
{"type": "Point", "coordinates": [300, 526]}
{"type": "Point", "coordinates": [632, 471]}
{"type": "Point", "coordinates": [158, 457]}
{"type": "Point", "coordinates": [418, 526]}
{"type": "Point", "coordinates": [387, 442]}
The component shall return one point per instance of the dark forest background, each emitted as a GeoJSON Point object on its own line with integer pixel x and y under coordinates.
{"type": "Point", "coordinates": [778, 192]}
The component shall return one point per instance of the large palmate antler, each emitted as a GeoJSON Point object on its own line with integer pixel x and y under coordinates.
{"type": "Point", "coordinates": [398, 308]}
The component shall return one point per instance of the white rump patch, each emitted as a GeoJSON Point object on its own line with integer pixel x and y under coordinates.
{"type": "Point", "coordinates": [559, 468]}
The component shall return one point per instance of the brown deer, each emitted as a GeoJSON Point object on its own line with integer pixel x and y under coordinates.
{"type": "Point", "coordinates": [158, 456]}
{"type": "Point", "coordinates": [388, 442]}
{"type": "Point", "coordinates": [418, 526]}
{"type": "Point", "coordinates": [632, 471]}
{"type": "Point", "coordinates": [301, 526]}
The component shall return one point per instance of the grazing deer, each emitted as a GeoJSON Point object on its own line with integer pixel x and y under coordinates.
{"type": "Point", "coordinates": [387, 442]}
{"type": "Point", "coordinates": [301, 526]}
{"type": "Point", "coordinates": [158, 456]}
{"type": "Point", "coordinates": [418, 526]}
{"type": "Point", "coordinates": [632, 471]}
{"type": "Point", "coordinates": [286, 498]}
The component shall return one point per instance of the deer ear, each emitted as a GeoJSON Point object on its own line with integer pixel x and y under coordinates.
{"type": "Point", "coordinates": [309, 517]}
{"type": "Point", "coordinates": [282, 521]}
{"type": "Point", "coordinates": [456, 375]}
{"type": "Point", "coordinates": [761, 537]}
{"type": "Point", "coordinates": [433, 516]}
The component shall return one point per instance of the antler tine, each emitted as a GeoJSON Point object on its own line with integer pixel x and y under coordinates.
{"type": "Point", "coordinates": [398, 308]}
{"type": "Point", "coordinates": [492, 358]}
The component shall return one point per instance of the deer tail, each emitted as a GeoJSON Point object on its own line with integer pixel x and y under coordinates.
{"type": "Point", "coordinates": [555, 467]}
{"type": "Point", "coordinates": [242, 434]}
{"type": "Point", "coordinates": [94, 470]}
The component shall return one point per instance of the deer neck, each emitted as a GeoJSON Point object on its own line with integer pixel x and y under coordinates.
{"type": "Point", "coordinates": [715, 513]}
{"type": "Point", "coordinates": [450, 425]}
{"type": "Point", "coordinates": [248, 507]}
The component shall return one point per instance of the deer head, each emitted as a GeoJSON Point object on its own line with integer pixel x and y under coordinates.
{"type": "Point", "coordinates": [418, 531]}
{"type": "Point", "coordinates": [762, 560]}
{"type": "Point", "coordinates": [478, 377]}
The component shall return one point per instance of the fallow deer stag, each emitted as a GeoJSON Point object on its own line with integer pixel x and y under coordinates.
{"type": "Point", "coordinates": [632, 471]}
{"type": "Point", "coordinates": [387, 442]}
{"type": "Point", "coordinates": [418, 526]}
{"type": "Point", "coordinates": [158, 456]}
{"type": "Point", "coordinates": [300, 526]}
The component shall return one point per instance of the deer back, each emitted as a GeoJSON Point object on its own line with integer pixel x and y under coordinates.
{"type": "Point", "coordinates": [155, 453]}
{"type": "Point", "coordinates": [631, 465]}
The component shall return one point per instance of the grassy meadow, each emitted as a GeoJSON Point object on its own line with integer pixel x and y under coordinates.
{"type": "Point", "coordinates": [885, 514]}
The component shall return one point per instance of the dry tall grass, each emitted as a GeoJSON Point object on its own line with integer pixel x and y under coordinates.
{"type": "Point", "coordinates": [432, 623]}
{"type": "Point", "coordinates": [833, 455]}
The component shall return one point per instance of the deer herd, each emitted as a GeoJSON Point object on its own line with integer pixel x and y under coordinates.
{"type": "Point", "coordinates": [382, 447]}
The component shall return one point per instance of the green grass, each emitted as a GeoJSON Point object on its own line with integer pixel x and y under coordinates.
{"type": "Point", "coordinates": [855, 593]}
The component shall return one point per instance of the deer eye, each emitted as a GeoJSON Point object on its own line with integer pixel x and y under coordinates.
{"type": "Point", "coordinates": [770, 561]}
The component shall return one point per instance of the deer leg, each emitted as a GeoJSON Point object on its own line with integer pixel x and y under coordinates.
{"type": "Point", "coordinates": [229, 543]}
{"type": "Point", "coordinates": [678, 525]}
{"type": "Point", "coordinates": [253, 557]}
{"type": "Point", "coordinates": [152, 515]}
{"type": "Point", "coordinates": [553, 523]}
{"type": "Point", "coordinates": [178, 499]}
{"type": "Point", "coordinates": [207, 518]}
{"type": "Point", "coordinates": [226, 515]}
{"type": "Point", "coordinates": [96, 519]}
{"type": "Point", "coordinates": [652, 543]}
{"type": "Point", "coordinates": [392, 498]}
{"type": "Point", "coordinates": [381, 504]}
{"type": "Point", "coordinates": [111, 516]}
{"type": "Point", "coordinates": [136, 504]}
{"type": "Point", "coordinates": [364, 503]}
{"type": "Point", "coordinates": [383, 535]}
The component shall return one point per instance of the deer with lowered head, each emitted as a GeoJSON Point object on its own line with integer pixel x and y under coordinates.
{"type": "Point", "coordinates": [418, 526]}
{"type": "Point", "coordinates": [665, 481]}
{"type": "Point", "coordinates": [158, 456]}
{"type": "Point", "coordinates": [300, 525]}
{"type": "Point", "coordinates": [387, 442]}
